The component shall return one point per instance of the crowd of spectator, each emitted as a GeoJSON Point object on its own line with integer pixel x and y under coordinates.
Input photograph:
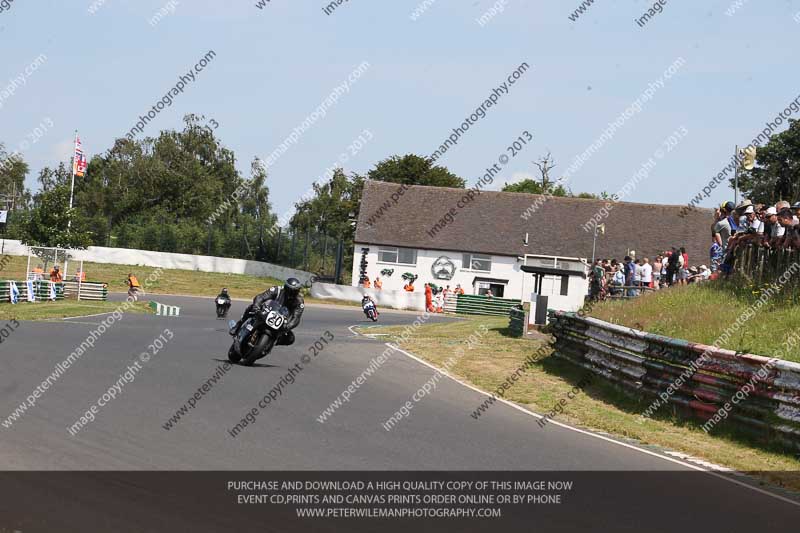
{"type": "Point", "coordinates": [632, 276]}
{"type": "Point", "coordinates": [771, 226]}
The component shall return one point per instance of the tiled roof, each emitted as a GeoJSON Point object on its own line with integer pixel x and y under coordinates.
{"type": "Point", "coordinates": [492, 224]}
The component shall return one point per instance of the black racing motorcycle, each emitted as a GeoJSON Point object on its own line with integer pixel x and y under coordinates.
{"type": "Point", "coordinates": [258, 333]}
{"type": "Point", "coordinates": [223, 304]}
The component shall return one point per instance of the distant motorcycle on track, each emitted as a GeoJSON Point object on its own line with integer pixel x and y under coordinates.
{"type": "Point", "coordinates": [223, 303]}
{"type": "Point", "coordinates": [222, 307]}
{"type": "Point", "coordinates": [370, 310]}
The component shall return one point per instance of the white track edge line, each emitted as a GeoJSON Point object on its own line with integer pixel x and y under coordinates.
{"type": "Point", "coordinates": [602, 437]}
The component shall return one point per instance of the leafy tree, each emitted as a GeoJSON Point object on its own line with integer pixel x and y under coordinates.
{"type": "Point", "coordinates": [13, 170]}
{"type": "Point", "coordinates": [48, 223]}
{"type": "Point", "coordinates": [414, 170]}
{"type": "Point", "coordinates": [777, 174]}
{"type": "Point", "coordinates": [534, 187]}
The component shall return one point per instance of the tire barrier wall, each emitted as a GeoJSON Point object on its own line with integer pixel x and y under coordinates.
{"type": "Point", "coordinates": [701, 379]}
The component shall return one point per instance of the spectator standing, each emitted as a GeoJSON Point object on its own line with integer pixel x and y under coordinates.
{"type": "Point", "coordinates": [597, 277]}
{"type": "Point", "coordinates": [684, 266]}
{"type": "Point", "coordinates": [630, 275]}
{"type": "Point", "coordinates": [647, 273]}
{"type": "Point", "coordinates": [439, 301]}
{"type": "Point", "coordinates": [657, 265]}
{"type": "Point", "coordinates": [730, 213]}
{"type": "Point", "coordinates": [428, 298]}
{"type": "Point", "coordinates": [617, 281]}
{"type": "Point", "coordinates": [788, 222]}
{"type": "Point", "coordinates": [366, 283]}
{"type": "Point", "coordinates": [378, 283]}
{"type": "Point", "coordinates": [637, 273]}
{"type": "Point", "coordinates": [55, 275]}
{"type": "Point", "coordinates": [722, 229]}
{"type": "Point", "coordinates": [672, 266]}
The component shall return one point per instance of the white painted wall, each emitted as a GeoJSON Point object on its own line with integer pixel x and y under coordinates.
{"type": "Point", "coordinates": [384, 298]}
{"type": "Point", "coordinates": [503, 267]}
{"type": "Point", "coordinates": [14, 248]}
{"type": "Point", "coordinates": [202, 263]}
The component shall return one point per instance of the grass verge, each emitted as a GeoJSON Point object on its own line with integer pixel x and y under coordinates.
{"type": "Point", "coordinates": [700, 313]}
{"type": "Point", "coordinates": [62, 309]}
{"type": "Point", "coordinates": [600, 407]}
{"type": "Point", "coordinates": [171, 281]}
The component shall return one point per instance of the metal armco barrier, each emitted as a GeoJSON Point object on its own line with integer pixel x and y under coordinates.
{"type": "Point", "coordinates": [517, 322]}
{"type": "Point", "coordinates": [89, 290]}
{"type": "Point", "coordinates": [647, 365]}
{"type": "Point", "coordinates": [165, 310]}
{"type": "Point", "coordinates": [466, 304]}
{"type": "Point", "coordinates": [41, 290]}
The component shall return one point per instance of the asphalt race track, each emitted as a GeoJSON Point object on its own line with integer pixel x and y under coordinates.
{"type": "Point", "coordinates": [128, 432]}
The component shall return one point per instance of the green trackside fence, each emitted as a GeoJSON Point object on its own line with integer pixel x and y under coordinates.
{"type": "Point", "coordinates": [467, 304]}
{"type": "Point", "coordinates": [88, 290]}
{"type": "Point", "coordinates": [517, 322]}
{"type": "Point", "coordinates": [41, 290]}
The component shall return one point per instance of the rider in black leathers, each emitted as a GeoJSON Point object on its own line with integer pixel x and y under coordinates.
{"type": "Point", "coordinates": [225, 296]}
{"type": "Point", "coordinates": [289, 296]}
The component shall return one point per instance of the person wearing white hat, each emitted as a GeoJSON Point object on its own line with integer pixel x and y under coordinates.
{"type": "Point", "coordinates": [749, 220]}
{"type": "Point", "coordinates": [776, 230]}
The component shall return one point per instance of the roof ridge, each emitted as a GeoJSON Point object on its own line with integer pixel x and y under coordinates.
{"type": "Point", "coordinates": [557, 198]}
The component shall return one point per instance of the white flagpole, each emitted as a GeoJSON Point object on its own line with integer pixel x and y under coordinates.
{"type": "Point", "coordinates": [72, 185]}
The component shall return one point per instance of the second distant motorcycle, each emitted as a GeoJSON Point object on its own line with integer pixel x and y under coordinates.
{"type": "Point", "coordinates": [369, 307]}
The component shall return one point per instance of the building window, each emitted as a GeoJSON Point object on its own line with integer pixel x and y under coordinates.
{"type": "Point", "coordinates": [564, 285]}
{"type": "Point", "coordinates": [400, 256]}
{"type": "Point", "coordinates": [477, 262]}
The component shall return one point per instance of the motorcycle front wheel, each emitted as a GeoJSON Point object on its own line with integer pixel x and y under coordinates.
{"type": "Point", "coordinates": [262, 348]}
{"type": "Point", "coordinates": [233, 357]}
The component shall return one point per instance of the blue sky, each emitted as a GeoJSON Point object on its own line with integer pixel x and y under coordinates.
{"type": "Point", "coordinates": [275, 65]}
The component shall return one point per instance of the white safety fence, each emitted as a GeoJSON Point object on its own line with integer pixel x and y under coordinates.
{"type": "Point", "coordinates": [393, 299]}
{"type": "Point", "coordinates": [202, 263]}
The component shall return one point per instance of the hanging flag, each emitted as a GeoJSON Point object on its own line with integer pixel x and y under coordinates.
{"type": "Point", "coordinates": [13, 292]}
{"type": "Point", "coordinates": [52, 291]}
{"type": "Point", "coordinates": [31, 291]}
{"type": "Point", "coordinates": [79, 162]}
{"type": "Point", "coordinates": [3, 216]}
